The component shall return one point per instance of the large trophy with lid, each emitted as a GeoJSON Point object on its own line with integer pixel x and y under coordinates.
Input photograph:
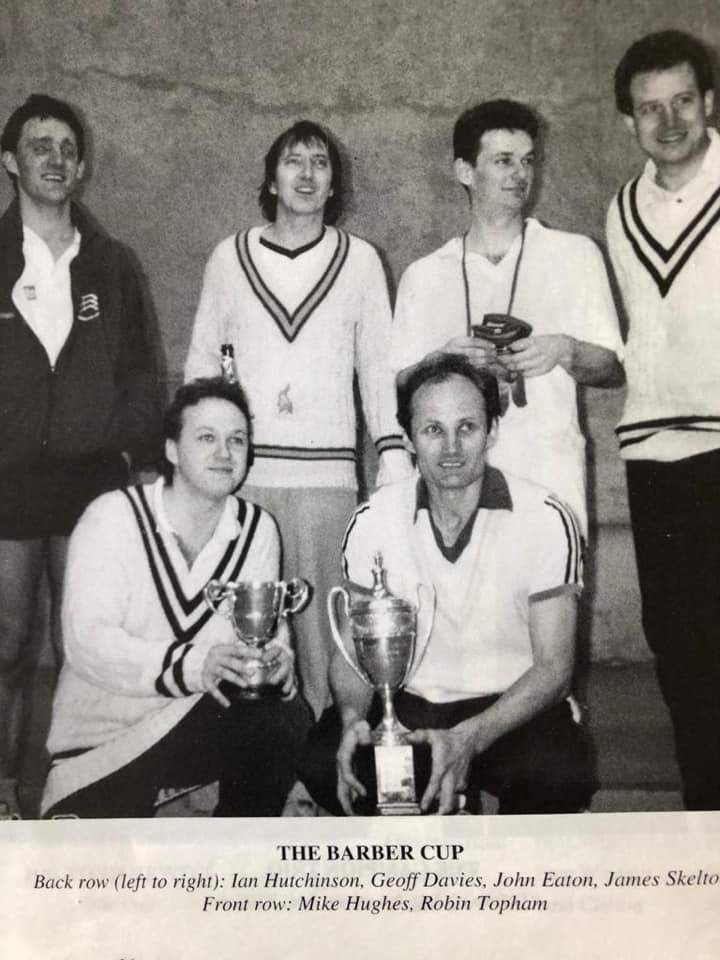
{"type": "Point", "coordinates": [384, 634]}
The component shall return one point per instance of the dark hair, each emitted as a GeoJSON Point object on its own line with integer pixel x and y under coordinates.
{"type": "Point", "coordinates": [437, 368]}
{"type": "Point", "coordinates": [42, 107]}
{"type": "Point", "coordinates": [189, 395]}
{"type": "Point", "coordinates": [490, 115]}
{"type": "Point", "coordinates": [306, 132]}
{"type": "Point", "coordinates": [660, 51]}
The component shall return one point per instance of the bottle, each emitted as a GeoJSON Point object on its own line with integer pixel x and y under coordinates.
{"type": "Point", "coordinates": [227, 363]}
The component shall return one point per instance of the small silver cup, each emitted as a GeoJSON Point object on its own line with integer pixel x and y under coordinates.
{"type": "Point", "coordinates": [254, 609]}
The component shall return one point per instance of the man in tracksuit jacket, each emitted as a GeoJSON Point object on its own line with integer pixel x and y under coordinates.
{"type": "Point", "coordinates": [78, 386]}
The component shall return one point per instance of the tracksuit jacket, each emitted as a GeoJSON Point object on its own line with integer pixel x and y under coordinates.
{"type": "Point", "coordinates": [63, 428]}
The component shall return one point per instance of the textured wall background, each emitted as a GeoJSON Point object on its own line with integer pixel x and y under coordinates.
{"type": "Point", "coordinates": [182, 98]}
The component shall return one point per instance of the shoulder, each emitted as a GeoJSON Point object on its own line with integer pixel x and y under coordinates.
{"type": "Point", "coordinates": [227, 247]}
{"type": "Point", "coordinates": [359, 249]}
{"type": "Point", "coordinates": [387, 506]}
{"type": "Point", "coordinates": [112, 513]}
{"type": "Point", "coordinates": [262, 520]}
{"type": "Point", "coordinates": [563, 242]}
{"type": "Point", "coordinates": [445, 257]}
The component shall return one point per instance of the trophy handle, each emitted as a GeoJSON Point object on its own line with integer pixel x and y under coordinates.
{"type": "Point", "coordinates": [296, 593]}
{"type": "Point", "coordinates": [216, 593]}
{"type": "Point", "coordinates": [334, 627]}
{"type": "Point", "coordinates": [417, 659]}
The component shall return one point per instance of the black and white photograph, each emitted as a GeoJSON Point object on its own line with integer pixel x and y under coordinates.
{"type": "Point", "coordinates": [359, 469]}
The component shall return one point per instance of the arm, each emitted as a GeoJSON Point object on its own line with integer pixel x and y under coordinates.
{"type": "Point", "coordinates": [103, 580]}
{"type": "Point", "coordinates": [552, 635]}
{"type": "Point", "coordinates": [377, 386]}
{"type": "Point", "coordinates": [587, 363]}
{"type": "Point", "coordinates": [139, 434]}
{"type": "Point", "coordinates": [211, 327]}
{"type": "Point", "coordinates": [588, 345]}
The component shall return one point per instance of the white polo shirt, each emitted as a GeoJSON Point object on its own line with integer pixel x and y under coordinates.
{"type": "Point", "coordinates": [42, 293]}
{"type": "Point", "coordinates": [523, 544]}
{"type": "Point", "coordinates": [562, 287]}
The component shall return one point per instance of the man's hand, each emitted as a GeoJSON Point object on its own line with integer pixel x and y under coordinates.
{"type": "Point", "coordinates": [535, 356]}
{"type": "Point", "coordinates": [238, 663]}
{"type": "Point", "coordinates": [452, 751]}
{"type": "Point", "coordinates": [480, 352]}
{"type": "Point", "coordinates": [349, 787]}
{"type": "Point", "coordinates": [279, 658]}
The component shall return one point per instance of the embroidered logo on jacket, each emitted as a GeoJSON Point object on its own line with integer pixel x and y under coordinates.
{"type": "Point", "coordinates": [89, 307]}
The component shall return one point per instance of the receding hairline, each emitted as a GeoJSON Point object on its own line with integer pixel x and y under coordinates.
{"type": "Point", "coordinates": [443, 377]}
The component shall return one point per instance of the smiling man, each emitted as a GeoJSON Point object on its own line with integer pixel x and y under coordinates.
{"type": "Point", "coordinates": [305, 305]}
{"type": "Point", "coordinates": [664, 241]}
{"type": "Point", "coordinates": [141, 704]}
{"type": "Point", "coordinates": [510, 263]}
{"type": "Point", "coordinates": [502, 556]}
{"type": "Point", "coordinates": [78, 394]}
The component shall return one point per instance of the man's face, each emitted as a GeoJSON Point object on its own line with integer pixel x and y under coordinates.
{"type": "Point", "coordinates": [45, 162]}
{"type": "Point", "coordinates": [303, 179]}
{"type": "Point", "coordinates": [502, 176]}
{"type": "Point", "coordinates": [670, 115]}
{"type": "Point", "coordinates": [211, 453]}
{"type": "Point", "coordinates": [449, 433]}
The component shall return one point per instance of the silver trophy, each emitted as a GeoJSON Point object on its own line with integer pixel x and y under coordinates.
{"type": "Point", "coordinates": [254, 608]}
{"type": "Point", "coordinates": [384, 633]}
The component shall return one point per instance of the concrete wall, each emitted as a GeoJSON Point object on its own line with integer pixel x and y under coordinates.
{"type": "Point", "coordinates": [182, 98]}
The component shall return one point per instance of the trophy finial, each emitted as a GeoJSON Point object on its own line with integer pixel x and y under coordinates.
{"type": "Point", "coordinates": [379, 587]}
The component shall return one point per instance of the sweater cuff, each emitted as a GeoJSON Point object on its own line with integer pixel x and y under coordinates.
{"type": "Point", "coordinates": [193, 663]}
{"type": "Point", "coordinates": [395, 465]}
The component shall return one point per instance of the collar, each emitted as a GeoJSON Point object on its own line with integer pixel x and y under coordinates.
{"type": "Point", "coordinates": [494, 493]}
{"type": "Point", "coordinates": [228, 526]}
{"type": "Point", "coordinates": [35, 240]}
{"type": "Point", "coordinates": [297, 251]}
{"type": "Point", "coordinates": [453, 249]}
{"type": "Point", "coordinates": [708, 174]}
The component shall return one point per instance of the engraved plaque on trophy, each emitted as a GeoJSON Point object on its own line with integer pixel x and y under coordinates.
{"type": "Point", "coordinates": [384, 633]}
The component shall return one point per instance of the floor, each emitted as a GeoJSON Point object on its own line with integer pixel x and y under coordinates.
{"type": "Point", "coordinates": [622, 708]}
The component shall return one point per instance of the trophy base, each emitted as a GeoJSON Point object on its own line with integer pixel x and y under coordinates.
{"type": "Point", "coordinates": [395, 778]}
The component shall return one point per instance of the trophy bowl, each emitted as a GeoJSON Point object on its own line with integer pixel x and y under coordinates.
{"type": "Point", "coordinates": [254, 608]}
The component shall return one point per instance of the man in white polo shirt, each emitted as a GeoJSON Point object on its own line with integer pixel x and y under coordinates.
{"type": "Point", "coordinates": [664, 241]}
{"type": "Point", "coordinates": [509, 263]}
{"type": "Point", "coordinates": [503, 558]}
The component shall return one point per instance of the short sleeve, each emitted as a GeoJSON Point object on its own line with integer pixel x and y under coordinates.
{"type": "Point", "coordinates": [557, 554]}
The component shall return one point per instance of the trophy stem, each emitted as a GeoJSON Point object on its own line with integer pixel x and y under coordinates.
{"type": "Point", "coordinates": [389, 731]}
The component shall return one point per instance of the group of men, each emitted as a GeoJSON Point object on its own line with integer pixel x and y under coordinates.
{"type": "Point", "coordinates": [469, 395]}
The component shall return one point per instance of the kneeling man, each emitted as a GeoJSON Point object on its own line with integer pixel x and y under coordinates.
{"type": "Point", "coordinates": [502, 555]}
{"type": "Point", "coordinates": [141, 704]}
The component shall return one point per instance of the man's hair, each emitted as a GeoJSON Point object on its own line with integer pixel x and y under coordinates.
{"type": "Point", "coordinates": [305, 132]}
{"type": "Point", "coordinates": [490, 115]}
{"type": "Point", "coordinates": [42, 107]}
{"type": "Point", "coordinates": [189, 395]}
{"type": "Point", "coordinates": [437, 369]}
{"type": "Point", "coordinates": [661, 51]}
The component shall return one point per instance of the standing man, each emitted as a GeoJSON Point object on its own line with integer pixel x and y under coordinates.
{"type": "Point", "coordinates": [78, 402]}
{"type": "Point", "coordinates": [502, 557]}
{"type": "Point", "coordinates": [509, 263]}
{"type": "Point", "coordinates": [305, 305]}
{"type": "Point", "coordinates": [664, 242]}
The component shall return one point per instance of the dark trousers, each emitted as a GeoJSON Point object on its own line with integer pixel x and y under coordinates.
{"type": "Point", "coordinates": [253, 748]}
{"type": "Point", "coordinates": [675, 511]}
{"type": "Point", "coordinates": [541, 767]}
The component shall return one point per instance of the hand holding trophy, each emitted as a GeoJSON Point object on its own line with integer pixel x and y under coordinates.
{"type": "Point", "coordinates": [254, 609]}
{"type": "Point", "coordinates": [384, 632]}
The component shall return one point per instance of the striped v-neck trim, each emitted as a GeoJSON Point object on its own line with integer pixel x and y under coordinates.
{"type": "Point", "coordinates": [664, 263]}
{"type": "Point", "coordinates": [187, 615]}
{"type": "Point", "coordinates": [290, 324]}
